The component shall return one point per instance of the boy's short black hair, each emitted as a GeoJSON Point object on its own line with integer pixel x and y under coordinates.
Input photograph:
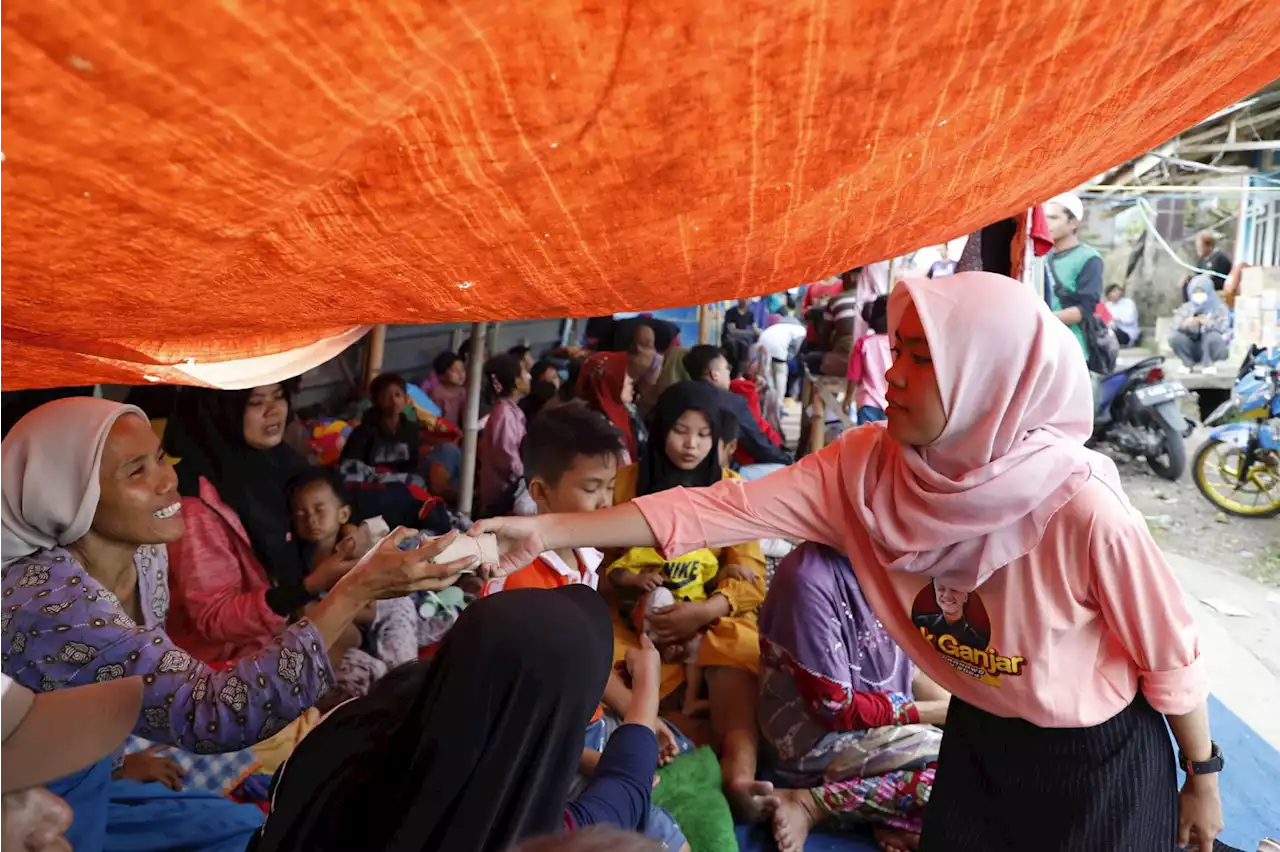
{"type": "Point", "coordinates": [384, 381]}
{"type": "Point", "coordinates": [519, 350]}
{"type": "Point", "coordinates": [540, 367]}
{"type": "Point", "coordinates": [444, 361]}
{"type": "Point", "coordinates": [729, 428]}
{"type": "Point", "coordinates": [876, 314]}
{"type": "Point", "coordinates": [505, 370]}
{"type": "Point", "coordinates": [1113, 287]}
{"type": "Point", "coordinates": [311, 476]}
{"type": "Point", "coordinates": [556, 437]}
{"type": "Point", "coordinates": [698, 360]}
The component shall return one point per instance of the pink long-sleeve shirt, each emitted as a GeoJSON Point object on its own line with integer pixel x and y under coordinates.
{"type": "Point", "coordinates": [218, 588]}
{"type": "Point", "coordinates": [1061, 637]}
{"type": "Point", "coordinates": [500, 462]}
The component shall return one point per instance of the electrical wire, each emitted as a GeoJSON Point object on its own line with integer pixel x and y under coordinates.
{"type": "Point", "coordinates": [1144, 209]}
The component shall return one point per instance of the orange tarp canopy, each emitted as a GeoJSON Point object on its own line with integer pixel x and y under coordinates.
{"type": "Point", "coordinates": [207, 181]}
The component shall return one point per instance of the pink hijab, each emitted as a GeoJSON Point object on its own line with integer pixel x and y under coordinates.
{"type": "Point", "coordinates": [1019, 408]}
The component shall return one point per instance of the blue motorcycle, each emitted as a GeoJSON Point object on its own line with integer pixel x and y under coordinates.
{"type": "Point", "coordinates": [1136, 411]}
{"type": "Point", "coordinates": [1238, 468]}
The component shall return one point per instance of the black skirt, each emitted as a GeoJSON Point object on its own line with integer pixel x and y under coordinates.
{"type": "Point", "coordinates": [1006, 784]}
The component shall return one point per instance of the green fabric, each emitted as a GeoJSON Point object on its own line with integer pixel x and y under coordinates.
{"type": "Point", "coordinates": [1066, 271]}
{"type": "Point", "coordinates": [690, 789]}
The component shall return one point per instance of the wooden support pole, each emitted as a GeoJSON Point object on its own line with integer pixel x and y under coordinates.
{"type": "Point", "coordinates": [817, 417]}
{"type": "Point", "coordinates": [373, 356]}
{"type": "Point", "coordinates": [704, 324]}
{"type": "Point", "coordinates": [471, 418]}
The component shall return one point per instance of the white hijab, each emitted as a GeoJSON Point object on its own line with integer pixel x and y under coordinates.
{"type": "Point", "coordinates": [49, 463]}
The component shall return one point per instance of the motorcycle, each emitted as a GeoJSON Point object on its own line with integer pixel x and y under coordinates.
{"type": "Point", "coordinates": [1136, 411]}
{"type": "Point", "coordinates": [1238, 468]}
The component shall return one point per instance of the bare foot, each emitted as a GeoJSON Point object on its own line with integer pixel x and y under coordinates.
{"type": "Point", "coordinates": [895, 839]}
{"type": "Point", "coordinates": [694, 707]}
{"type": "Point", "coordinates": [751, 800]}
{"type": "Point", "coordinates": [796, 815]}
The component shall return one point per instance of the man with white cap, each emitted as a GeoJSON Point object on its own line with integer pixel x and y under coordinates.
{"type": "Point", "coordinates": [48, 736]}
{"type": "Point", "coordinates": [1073, 269]}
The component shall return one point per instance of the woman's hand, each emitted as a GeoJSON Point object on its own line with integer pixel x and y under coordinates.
{"type": "Point", "coordinates": [676, 624]}
{"type": "Point", "coordinates": [520, 541]}
{"type": "Point", "coordinates": [390, 572]}
{"type": "Point", "coordinates": [333, 568]}
{"type": "Point", "coordinates": [148, 765]}
{"type": "Point", "coordinates": [1199, 813]}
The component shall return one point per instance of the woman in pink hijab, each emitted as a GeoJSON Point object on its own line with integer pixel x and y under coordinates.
{"type": "Point", "coordinates": [1005, 559]}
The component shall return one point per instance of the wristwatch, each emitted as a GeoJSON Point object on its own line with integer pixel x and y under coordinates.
{"type": "Point", "coordinates": [1202, 767]}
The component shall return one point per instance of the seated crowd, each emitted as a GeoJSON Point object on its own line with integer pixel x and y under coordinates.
{"type": "Point", "coordinates": [286, 675]}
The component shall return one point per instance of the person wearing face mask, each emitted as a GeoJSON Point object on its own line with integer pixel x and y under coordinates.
{"type": "Point", "coordinates": [1200, 326]}
{"type": "Point", "coordinates": [980, 480]}
{"type": "Point", "coordinates": [49, 735]}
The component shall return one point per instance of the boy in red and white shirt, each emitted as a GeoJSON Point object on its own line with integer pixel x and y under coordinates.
{"type": "Point", "coordinates": [571, 457]}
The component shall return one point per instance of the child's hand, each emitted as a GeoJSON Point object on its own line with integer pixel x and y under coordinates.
{"type": "Point", "coordinates": [647, 580]}
{"type": "Point", "coordinates": [148, 765]}
{"type": "Point", "coordinates": [734, 571]}
{"type": "Point", "coordinates": [668, 748]}
{"type": "Point", "coordinates": [333, 568]}
{"type": "Point", "coordinates": [368, 614]}
{"type": "Point", "coordinates": [645, 668]}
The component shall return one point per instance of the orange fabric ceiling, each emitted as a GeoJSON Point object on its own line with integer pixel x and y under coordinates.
{"type": "Point", "coordinates": [212, 181]}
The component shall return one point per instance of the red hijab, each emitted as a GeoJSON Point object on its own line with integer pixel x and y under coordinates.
{"type": "Point", "coordinates": [600, 384]}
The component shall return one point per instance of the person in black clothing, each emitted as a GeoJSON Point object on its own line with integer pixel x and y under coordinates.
{"type": "Point", "coordinates": [1209, 258]}
{"type": "Point", "coordinates": [706, 363]}
{"type": "Point", "coordinates": [1212, 259]}
{"type": "Point", "coordinates": [385, 438]}
{"type": "Point", "coordinates": [739, 333]}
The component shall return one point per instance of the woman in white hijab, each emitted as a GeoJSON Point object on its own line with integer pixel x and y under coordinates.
{"type": "Point", "coordinates": [89, 502]}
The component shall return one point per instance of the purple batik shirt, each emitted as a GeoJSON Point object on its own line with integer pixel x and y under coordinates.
{"type": "Point", "coordinates": [62, 628]}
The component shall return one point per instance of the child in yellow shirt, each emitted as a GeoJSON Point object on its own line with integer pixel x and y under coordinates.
{"type": "Point", "coordinates": [661, 583]}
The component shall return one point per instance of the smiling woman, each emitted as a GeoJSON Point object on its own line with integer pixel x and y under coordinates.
{"type": "Point", "coordinates": [89, 503]}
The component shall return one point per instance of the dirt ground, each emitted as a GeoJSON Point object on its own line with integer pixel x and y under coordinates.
{"type": "Point", "coordinates": [1185, 523]}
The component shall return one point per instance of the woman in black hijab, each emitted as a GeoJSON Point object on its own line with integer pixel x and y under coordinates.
{"type": "Point", "coordinates": [475, 750]}
{"type": "Point", "coordinates": [658, 466]}
{"type": "Point", "coordinates": [210, 436]}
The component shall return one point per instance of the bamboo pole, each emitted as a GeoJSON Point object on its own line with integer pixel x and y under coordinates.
{"type": "Point", "coordinates": [373, 356]}
{"type": "Point", "coordinates": [704, 324]}
{"type": "Point", "coordinates": [471, 418]}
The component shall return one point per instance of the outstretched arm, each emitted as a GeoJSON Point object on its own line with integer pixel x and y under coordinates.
{"type": "Point", "coordinates": [801, 502]}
